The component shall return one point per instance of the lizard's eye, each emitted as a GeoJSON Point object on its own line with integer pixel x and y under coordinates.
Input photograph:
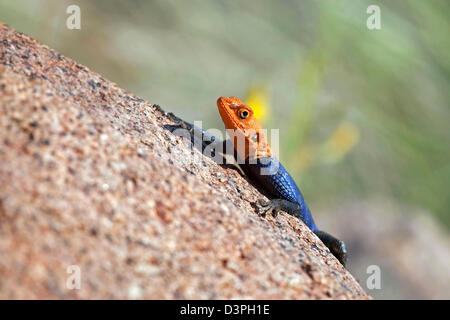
{"type": "Point", "coordinates": [243, 114]}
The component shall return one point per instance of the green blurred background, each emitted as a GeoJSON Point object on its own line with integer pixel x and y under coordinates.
{"type": "Point", "coordinates": [363, 114]}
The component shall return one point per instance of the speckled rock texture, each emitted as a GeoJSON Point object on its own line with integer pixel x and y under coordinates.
{"type": "Point", "coordinates": [90, 177]}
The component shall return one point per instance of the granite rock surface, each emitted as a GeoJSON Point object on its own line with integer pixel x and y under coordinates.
{"type": "Point", "coordinates": [92, 184]}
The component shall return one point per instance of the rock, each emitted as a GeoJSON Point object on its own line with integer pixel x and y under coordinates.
{"type": "Point", "coordinates": [91, 178]}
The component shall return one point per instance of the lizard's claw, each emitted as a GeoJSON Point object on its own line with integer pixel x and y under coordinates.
{"type": "Point", "coordinates": [265, 207]}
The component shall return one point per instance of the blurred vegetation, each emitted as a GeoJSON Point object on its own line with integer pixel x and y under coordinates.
{"type": "Point", "coordinates": [362, 113]}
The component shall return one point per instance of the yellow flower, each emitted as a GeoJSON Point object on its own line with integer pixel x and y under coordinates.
{"type": "Point", "coordinates": [258, 99]}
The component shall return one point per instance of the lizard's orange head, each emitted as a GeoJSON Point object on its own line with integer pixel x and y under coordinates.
{"type": "Point", "coordinates": [239, 117]}
{"type": "Point", "coordinates": [236, 115]}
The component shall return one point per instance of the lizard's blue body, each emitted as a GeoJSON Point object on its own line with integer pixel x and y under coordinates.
{"type": "Point", "coordinates": [270, 175]}
{"type": "Point", "coordinates": [280, 185]}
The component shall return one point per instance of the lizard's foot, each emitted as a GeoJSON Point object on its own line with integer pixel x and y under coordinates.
{"type": "Point", "coordinates": [274, 206]}
{"type": "Point", "coordinates": [336, 246]}
{"type": "Point", "coordinates": [264, 207]}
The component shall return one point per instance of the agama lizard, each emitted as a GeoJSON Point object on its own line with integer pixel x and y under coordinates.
{"type": "Point", "coordinates": [263, 169]}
